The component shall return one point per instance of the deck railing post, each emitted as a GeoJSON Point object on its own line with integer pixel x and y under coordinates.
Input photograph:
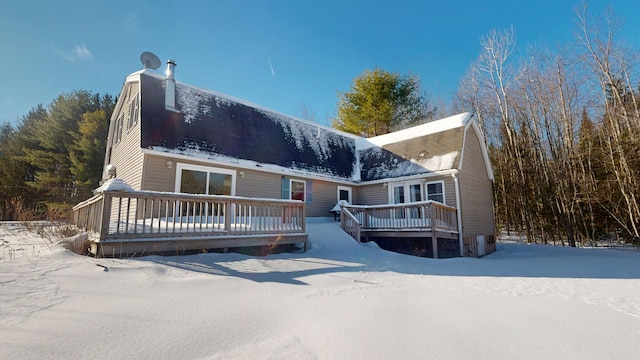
{"type": "Point", "coordinates": [434, 239]}
{"type": "Point", "coordinates": [227, 216]}
{"type": "Point", "coordinates": [106, 215]}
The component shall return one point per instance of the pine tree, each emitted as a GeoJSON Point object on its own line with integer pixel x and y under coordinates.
{"type": "Point", "coordinates": [87, 150]}
{"type": "Point", "coordinates": [380, 102]}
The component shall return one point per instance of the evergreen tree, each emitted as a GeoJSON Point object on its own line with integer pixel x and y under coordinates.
{"type": "Point", "coordinates": [63, 145]}
{"type": "Point", "coordinates": [380, 102]}
{"type": "Point", "coordinates": [87, 150]}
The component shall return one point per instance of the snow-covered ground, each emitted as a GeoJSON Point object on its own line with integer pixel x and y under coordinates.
{"type": "Point", "coordinates": [339, 300]}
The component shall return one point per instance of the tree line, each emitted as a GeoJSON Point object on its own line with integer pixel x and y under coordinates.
{"type": "Point", "coordinates": [53, 158]}
{"type": "Point", "coordinates": [563, 128]}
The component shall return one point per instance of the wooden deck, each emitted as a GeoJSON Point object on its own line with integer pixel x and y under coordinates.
{"type": "Point", "coordinates": [125, 223]}
{"type": "Point", "coordinates": [422, 221]}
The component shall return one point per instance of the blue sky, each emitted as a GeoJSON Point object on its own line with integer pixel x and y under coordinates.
{"type": "Point", "coordinates": [278, 54]}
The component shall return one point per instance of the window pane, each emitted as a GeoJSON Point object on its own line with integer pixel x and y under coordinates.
{"type": "Point", "coordinates": [435, 192]}
{"type": "Point", "coordinates": [398, 194]}
{"type": "Point", "coordinates": [434, 188]}
{"type": "Point", "coordinates": [193, 182]}
{"type": "Point", "coordinates": [297, 190]}
{"type": "Point", "coordinates": [344, 195]}
{"type": "Point", "coordinates": [219, 184]}
{"type": "Point", "coordinates": [415, 192]}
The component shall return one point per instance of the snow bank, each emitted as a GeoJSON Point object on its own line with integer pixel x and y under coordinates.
{"type": "Point", "coordinates": [339, 300]}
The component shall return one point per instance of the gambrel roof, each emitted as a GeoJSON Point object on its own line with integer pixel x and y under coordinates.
{"type": "Point", "coordinates": [211, 125]}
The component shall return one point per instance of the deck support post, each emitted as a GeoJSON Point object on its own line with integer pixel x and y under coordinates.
{"type": "Point", "coordinates": [434, 237]}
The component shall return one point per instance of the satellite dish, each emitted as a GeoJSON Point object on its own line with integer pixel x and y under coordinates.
{"type": "Point", "coordinates": [149, 60]}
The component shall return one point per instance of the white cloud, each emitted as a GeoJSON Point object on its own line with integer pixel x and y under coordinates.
{"type": "Point", "coordinates": [79, 52]}
{"type": "Point", "coordinates": [82, 52]}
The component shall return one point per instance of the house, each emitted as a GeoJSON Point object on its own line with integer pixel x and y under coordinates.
{"type": "Point", "coordinates": [172, 137]}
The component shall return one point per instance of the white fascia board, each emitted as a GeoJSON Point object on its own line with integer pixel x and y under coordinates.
{"type": "Point", "coordinates": [447, 172]}
{"type": "Point", "coordinates": [250, 165]}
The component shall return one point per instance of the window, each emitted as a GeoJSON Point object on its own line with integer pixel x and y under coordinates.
{"type": "Point", "coordinates": [344, 193]}
{"type": "Point", "coordinates": [435, 191]}
{"type": "Point", "coordinates": [405, 192]}
{"type": "Point", "coordinates": [117, 129]}
{"type": "Point", "coordinates": [297, 190]}
{"type": "Point", "coordinates": [193, 179]}
{"type": "Point", "coordinates": [134, 110]}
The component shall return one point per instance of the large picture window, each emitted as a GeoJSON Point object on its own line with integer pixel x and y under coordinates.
{"type": "Point", "coordinates": [193, 179]}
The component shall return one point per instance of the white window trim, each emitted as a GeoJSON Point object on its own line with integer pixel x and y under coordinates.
{"type": "Point", "coordinates": [304, 192]}
{"type": "Point", "coordinates": [134, 111]}
{"type": "Point", "coordinates": [118, 129]}
{"type": "Point", "coordinates": [207, 169]}
{"type": "Point", "coordinates": [347, 189]}
{"type": "Point", "coordinates": [426, 190]}
{"type": "Point", "coordinates": [407, 194]}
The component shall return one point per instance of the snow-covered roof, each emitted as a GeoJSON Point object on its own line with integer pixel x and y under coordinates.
{"type": "Point", "coordinates": [429, 128]}
{"type": "Point", "coordinates": [215, 126]}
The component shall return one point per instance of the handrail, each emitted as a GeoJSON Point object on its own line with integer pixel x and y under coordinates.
{"type": "Point", "coordinates": [423, 216]}
{"type": "Point", "coordinates": [350, 223]}
{"type": "Point", "coordinates": [116, 214]}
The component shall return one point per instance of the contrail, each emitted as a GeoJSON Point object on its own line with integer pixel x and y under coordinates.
{"type": "Point", "coordinates": [271, 66]}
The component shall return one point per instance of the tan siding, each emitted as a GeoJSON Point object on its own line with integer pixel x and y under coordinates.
{"type": "Point", "coordinates": [475, 190]}
{"type": "Point", "coordinates": [126, 154]}
{"type": "Point", "coordinates": [257, 184]}
{"type": "Point", "coordinates": [157, 176]}
{"type": "Point", "coordinates": [450, 191]}
{"type": "Point", "coordinates": [374, 194]}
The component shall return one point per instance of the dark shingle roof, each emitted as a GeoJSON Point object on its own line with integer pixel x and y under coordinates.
{"type": "Point", "coordinates": [216, 126]}
{"type": "Point", "coordinates": [224, 128]}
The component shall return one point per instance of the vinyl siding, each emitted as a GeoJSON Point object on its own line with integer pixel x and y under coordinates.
{"type": "Point", "coordinates": [475, 190]}
{"type": "Point", "coordinates": [257, 184]}
{"type": "Point", "coordinates": [126, 154]}
{"type": "Point", "coordinates": [157, 176]}
{"type": "Point", "coordinates": [374, 194]}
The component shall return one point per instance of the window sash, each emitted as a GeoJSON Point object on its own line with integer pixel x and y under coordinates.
{"type": "Point", "coordinates": [297, 190]}
{"type": "Point", "coordinates": [435, 191]}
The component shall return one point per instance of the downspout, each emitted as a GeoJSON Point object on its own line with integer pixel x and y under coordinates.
{"type": "Point", "coordinates": [458, 212]}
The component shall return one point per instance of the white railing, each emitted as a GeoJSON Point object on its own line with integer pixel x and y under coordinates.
{"type": "Point", "coordinates": [425, 215]}
{"type": "Point", "coordinates": [121, 215]}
